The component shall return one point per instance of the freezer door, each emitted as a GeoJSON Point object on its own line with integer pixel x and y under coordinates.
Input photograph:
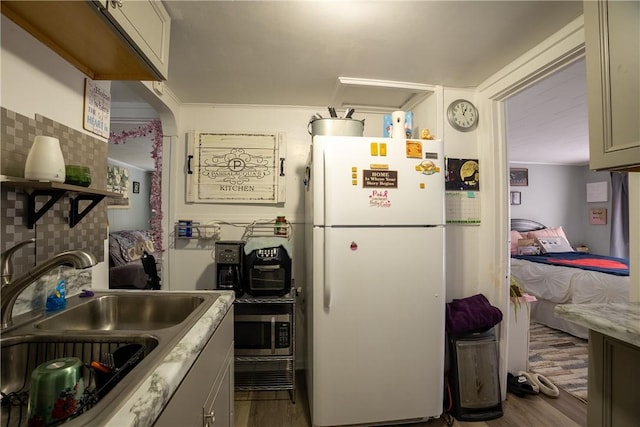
{"type": "Point", "coordinates": [378, 325]}
{"type": "Point", "coordinates": [364, 181]}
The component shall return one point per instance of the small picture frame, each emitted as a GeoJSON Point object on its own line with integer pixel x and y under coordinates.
{"type": "Point", "coordinates": [136, 187]}
{"type": "Point", "coordinates": [519, 177]}
{"type": "Point", "coordinates": [515, 197]}
{"type": "Point", "coordinates": [598, 216]}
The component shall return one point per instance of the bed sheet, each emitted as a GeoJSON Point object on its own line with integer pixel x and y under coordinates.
{"type": "Point", "coordinates": [568, 285]}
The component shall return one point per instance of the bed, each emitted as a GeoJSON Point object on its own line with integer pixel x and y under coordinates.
{"type": "Point", "coordinates": [576, 278]}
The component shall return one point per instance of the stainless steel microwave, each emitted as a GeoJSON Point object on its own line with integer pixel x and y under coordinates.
{"type": "Point", "coordinates": [259, 334]}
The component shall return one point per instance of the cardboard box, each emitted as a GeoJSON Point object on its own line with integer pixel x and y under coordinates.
{"type": "Point", "coordinates": [526, 242]}
{"type": "Point", "coordinates": [528, 250]}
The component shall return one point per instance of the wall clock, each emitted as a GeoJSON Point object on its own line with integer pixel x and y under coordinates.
{"type": "Point", "coordinates": [462, 115]}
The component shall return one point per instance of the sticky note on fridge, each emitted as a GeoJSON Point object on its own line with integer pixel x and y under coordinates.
{"type": "Point", "coordinates": [383, 148]}
{"type": "Point", "coordinates": [374, 148]}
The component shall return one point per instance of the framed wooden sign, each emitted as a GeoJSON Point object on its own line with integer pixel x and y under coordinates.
{"type": "Point", "coordinates": [236, 167]}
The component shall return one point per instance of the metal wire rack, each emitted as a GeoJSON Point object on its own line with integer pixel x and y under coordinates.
{"type": "Point", "coordinates": [268, 229]}
{"type": "Point", "coordinates": [26, 356]}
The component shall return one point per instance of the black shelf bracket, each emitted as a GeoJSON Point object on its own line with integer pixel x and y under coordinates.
{"type": "Point", "coordinates": [32, 215]}
{"type": "Point", "coordinates": [75, 215]}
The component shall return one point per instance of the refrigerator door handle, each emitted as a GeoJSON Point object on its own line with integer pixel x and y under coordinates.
{"type": "Point", "coordinates": [326, 286]}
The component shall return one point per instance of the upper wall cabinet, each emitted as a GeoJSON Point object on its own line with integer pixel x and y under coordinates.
{"type": "Point", "coordinates": [106, 40]}
{"type": "Point", "coordinates": [612, 30]}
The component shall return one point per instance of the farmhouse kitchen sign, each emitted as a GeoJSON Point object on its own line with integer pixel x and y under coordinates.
{"type": "Point", "coordinates": [235, 167]}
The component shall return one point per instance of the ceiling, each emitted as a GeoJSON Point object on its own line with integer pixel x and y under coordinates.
{"type": "Point", "coordinates": [300, 53]}
{"type": "Point", "coordinates": [547, 123]}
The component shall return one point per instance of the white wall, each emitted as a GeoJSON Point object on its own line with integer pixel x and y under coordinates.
{"type": "Point", "coordinates": [35, 80]}
{"type": "Point", "coordinates": [556, 196]}
{"type": "Point", "coordinates": [136, 216]}
{"type": "Point", "coordinates": [192, 264]}
{"type": "Point", "coordinates": [463, 241]}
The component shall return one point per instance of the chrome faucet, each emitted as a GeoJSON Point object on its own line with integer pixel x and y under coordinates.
{"type": "Point", "coordinates": [5, 261]}
{"type": "Point", "coordinates": [10, 291]}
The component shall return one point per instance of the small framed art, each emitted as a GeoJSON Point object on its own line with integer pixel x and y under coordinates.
{"type": "Point", "coordinates": [519, 177]}
{"type": "Point", "coordinates": [515, 197]}
{"type": "Point", "coordinates": [598, 216]}
{"type": "Point", "coordinates": [136, 187]}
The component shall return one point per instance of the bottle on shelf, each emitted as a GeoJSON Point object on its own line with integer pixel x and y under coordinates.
{"type": "Point", "coordinates": [281, 226]}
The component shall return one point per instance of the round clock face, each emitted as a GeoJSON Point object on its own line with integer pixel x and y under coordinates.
{"type": "Point", "coordinates": [462, 115]}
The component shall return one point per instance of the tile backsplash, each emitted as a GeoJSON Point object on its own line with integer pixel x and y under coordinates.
{"type": "Point", "coordinates": [52, 231]}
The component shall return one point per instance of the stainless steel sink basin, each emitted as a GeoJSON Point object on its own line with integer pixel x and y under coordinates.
{"type": "Point", "coordinates": [22, 354]}
{"type": "Point", "coordinates": [88, 328]}
{"type": "Point", "coordinates": [131, 311]}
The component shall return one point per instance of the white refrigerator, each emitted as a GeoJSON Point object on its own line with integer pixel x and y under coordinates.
{"type": "Point", "coordinates": [375, 262]}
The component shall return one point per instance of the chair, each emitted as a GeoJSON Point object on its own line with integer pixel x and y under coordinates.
{"type": "Point", "coordinates": [150, 269]}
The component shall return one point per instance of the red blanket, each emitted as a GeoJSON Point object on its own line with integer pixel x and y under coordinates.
{"type": "Point", "coordinates": [601, 263]}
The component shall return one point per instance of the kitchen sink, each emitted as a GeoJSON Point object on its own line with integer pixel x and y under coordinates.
{"type": "Point", "coordinates": [142, 312]}
{"type": "Point", "coordinates": [90, 328]}
{"type": "Point", "coordinates": [22, 354]}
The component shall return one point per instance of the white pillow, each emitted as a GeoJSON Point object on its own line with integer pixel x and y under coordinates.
{"type": "Point", "coordinates": [546, 232]}
{"type": "Point", "coordinates": [553, 244]}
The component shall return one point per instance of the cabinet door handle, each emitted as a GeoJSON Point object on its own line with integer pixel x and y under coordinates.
{"type": "Point", "coordinates": [116, 3]}
{"type": "Point", "coordinates": [209, 419]}
{"type": "Point", "coordinates": [189, 171]}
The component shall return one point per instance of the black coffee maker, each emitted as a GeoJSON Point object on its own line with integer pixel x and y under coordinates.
{"type": "Point", "coordinates": [229, 255]}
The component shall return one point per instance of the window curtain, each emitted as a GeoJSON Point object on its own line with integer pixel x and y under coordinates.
{"type": "Point", "coordinates": [619, 243]}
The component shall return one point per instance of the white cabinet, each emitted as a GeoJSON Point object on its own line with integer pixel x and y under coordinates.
{"type": "Point", "coordinates": [613, 79]}
{"type": "Point", "coordinates": [206, 395]}
{"type": "Point", "coordinates": [146, 24]}
{"type": "Point", "coordinates": [102, 39]}
{"type": "Point", "coordinates": [519, 321]}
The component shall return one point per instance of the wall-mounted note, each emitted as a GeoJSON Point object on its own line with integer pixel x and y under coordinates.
{"type": "Point", "coordinates": [597, 192]}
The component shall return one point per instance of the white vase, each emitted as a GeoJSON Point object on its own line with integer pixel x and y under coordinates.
{"type": "Point", "coordinates": [398, 118]}
{"type": "Point", "coordinates": [45, 161]}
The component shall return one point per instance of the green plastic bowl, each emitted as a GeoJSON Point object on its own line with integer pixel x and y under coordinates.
{"type": "Point", "coordinates": [78, 175]}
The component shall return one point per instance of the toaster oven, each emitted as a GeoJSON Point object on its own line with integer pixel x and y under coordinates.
{"type": "Point", "coordinates": [267, 272]}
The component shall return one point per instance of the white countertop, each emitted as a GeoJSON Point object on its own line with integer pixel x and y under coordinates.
{"type": "Point", "coordinates": [144, 406]}
{"type": "Point", "coordinates": [617, 320]}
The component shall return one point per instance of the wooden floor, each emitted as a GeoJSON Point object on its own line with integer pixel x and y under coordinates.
{"type": "Point", "coordinates": [274, 409]}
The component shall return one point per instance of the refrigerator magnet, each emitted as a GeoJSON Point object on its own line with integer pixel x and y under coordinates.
{"type": "Point", "coordinates": [414, 149]}
{"type": "Point", "coordinates": [427, 167]}
{"type": "Point", "coordinates": [353, 246]}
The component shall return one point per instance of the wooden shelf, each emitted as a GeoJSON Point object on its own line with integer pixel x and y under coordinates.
{"type": "Point", "coordinates": [54, 191]}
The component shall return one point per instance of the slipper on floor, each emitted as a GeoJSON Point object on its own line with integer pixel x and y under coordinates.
{"type": "Point", "coordinates": [531, 380]}
{"type": "Point", "coordinates": [545, 385]}
{"type": "Point", "coordinates": [519, 385]}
